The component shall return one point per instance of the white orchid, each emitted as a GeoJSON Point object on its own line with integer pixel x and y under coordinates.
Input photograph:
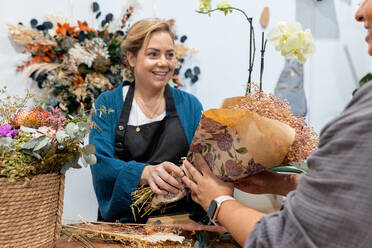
{"type": "Point", "coordinates": [289, 38]}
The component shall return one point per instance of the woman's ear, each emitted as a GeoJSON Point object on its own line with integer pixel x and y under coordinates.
{"type": "Point", "coordinates": [131, 59]}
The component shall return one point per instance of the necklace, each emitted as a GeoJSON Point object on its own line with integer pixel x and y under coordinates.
{"type": "Point", "coordinates": [150, 114]}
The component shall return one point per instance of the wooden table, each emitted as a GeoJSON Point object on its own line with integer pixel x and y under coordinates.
{"type": "Point", "coordinates": [65, 241]}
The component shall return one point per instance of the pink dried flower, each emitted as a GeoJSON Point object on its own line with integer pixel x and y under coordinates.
{"type": "Point", "coordinates": [57, 119]}
{"type": "Point", "coordinates": [267, 105]}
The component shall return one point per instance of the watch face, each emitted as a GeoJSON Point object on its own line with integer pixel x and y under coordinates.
{"type": "Point", "coordinates": [212, 209]}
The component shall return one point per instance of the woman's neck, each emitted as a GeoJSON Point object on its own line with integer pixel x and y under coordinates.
{"type": "Point", "coordinates": [149, 94]}
{"type": "Point", "coordinates": [150, 100]}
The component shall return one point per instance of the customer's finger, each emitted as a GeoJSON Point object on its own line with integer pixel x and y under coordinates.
{"type": "Point", "coordinates": [190, 184]}
{"type": "Point", "coordinates": [196, 176]}
{"type": "Point", "coordinates": [202, 164]}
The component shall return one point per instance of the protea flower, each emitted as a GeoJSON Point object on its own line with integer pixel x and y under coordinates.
{"type": "Point", "coordinates": [36, 118]}
{"type": "Point", "coordinates": [19, 118]}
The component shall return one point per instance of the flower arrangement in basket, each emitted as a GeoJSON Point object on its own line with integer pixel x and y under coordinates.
{"type": "Point", "coordinates": [75, 63]}
{"type": "Point", "coordinates": [252, 133]}
{"type": "Point", "coordinates": [37, 146]}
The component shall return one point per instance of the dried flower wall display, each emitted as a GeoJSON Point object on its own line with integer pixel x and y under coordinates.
{"type": "Point", "coordinates": [74, 62]}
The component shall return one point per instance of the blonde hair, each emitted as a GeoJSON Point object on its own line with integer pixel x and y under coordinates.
{"type": "Point", "coordinates": [140, 32]}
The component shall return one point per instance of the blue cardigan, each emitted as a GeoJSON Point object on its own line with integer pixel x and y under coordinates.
{"type": "Point", "coordinates": [113, 179]}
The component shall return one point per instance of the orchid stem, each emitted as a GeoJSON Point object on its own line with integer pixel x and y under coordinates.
{"type": "Point", "coordinates": [263, 48]}
{"type": "Point", "coordinates": [252, 42]}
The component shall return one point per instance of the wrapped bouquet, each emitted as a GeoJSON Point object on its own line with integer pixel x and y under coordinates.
{"type": "Point", "coordinates": [38, 141]}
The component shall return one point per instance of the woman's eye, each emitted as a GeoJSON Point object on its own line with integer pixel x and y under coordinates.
{"type": "Point", "coordinates": [170, 55]}
{"type": "Point", "coordinates": [153, 54]}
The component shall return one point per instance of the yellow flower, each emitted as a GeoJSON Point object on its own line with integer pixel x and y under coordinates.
{"type": "Point", "coordinates": [224, 6]}
{"type": "Point", "coordinates": [205, 5]}
{"type": "Point", "coordinates": [289, 38]}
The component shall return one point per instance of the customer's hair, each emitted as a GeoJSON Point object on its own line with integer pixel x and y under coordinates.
{"type": "Point", "coordinates": [139, 34]}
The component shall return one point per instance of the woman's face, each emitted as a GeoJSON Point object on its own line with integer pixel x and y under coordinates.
{"type": "Point", "coordinates": [154, 63]}
{"type": "Point", "coordinates": [364, 14]}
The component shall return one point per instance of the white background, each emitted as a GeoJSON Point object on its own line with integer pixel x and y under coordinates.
{"type": "Point", "coordinates": [222, 43]}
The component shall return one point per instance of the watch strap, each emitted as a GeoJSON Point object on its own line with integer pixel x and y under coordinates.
{"type": "Point", "coordinates": [219, 200]}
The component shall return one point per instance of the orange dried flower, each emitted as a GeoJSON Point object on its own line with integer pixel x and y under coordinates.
{"type": "Point", "coordinates": [36, 118]}
{"type": "Point", "coordinates": [78, 79]}
{"type": "Point", "coordinates": [83, 26]}
{"type": "Point", "coordinates": [65, 28]}
{"type": "Point", "coordinates": [19, 118]}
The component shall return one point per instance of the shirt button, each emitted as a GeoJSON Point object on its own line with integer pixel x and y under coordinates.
{"type": "Point", "coordinates": [119, 144]}
{"type": "Point", "coordinates": [121, 128]}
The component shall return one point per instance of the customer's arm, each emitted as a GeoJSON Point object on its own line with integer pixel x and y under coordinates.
{"type": "Point", "coordinates": [234, 216]}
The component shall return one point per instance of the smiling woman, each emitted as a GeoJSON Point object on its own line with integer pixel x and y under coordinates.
{"type": "Point", "coordinates": [142, 142]}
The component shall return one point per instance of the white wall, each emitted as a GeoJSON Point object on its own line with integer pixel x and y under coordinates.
{"type": "Point", "coordinates": [222, 43]}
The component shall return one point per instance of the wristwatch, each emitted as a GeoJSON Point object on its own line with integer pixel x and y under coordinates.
{"type": "Point", "coordinates": [215, 206]}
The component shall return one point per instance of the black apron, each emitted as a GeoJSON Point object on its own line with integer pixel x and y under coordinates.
{"type": "Point", "coordinates": [155, 143]}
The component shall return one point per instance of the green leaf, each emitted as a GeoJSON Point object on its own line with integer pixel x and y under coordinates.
{"type": "Point", "coordinates": [42, 143]}
{"type": "Point", "coordinates": [230, 154]}
{"type": "Point", "coordinates": [223, 170]}
{"type": "Point", "coordinates": [287, 169]}
{"type": "Point", "coordinates": [365, 79]}
{"type": "Point", "coordinates": [28, 129]}
{"type": "Point", "coordinates": [242, 150]}
{"type": "Point", "coordinates": [71, 163]}
{"type": "Point", "coordinates": [32, 143]}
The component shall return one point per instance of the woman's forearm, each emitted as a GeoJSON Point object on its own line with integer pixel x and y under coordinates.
{"type": "Point", "coordinates": [286, 184]}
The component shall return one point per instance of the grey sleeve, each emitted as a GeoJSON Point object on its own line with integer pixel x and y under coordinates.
{"type": "Point", "coordinates": [332, 203]}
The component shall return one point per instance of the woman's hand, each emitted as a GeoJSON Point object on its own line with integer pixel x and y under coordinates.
{"type": "Point", "coordinates": [161, 178]}
{"type": "Point", "coordinates": [268, 183]}
{"type": "Point", "coordinates": [205, 186]}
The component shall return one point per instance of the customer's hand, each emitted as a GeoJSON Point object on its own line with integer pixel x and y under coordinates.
{"type": "Point", "coordinates": [268, 183]}
{"type": "Point", "coordinates": [161, 178]}
{"type": "Point", "coordinates": [204, 185]}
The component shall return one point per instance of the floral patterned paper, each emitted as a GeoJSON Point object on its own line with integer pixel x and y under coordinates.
{"type": "Point", "coordinates": [223, 151]}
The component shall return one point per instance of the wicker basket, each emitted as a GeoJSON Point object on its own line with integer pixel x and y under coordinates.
{"type": "Point", "coordinates": [30, 215]}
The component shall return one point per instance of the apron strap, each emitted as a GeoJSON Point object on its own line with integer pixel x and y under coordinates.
{"type": "Point", "coordinates": [169, 101]}
{"type": "Point", "coordinates": [124, 116]}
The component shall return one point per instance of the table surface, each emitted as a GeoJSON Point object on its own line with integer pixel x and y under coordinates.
{"type": "Point", "coordinates": [66, 241]}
